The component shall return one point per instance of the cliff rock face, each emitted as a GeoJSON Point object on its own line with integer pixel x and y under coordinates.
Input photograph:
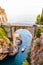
{"type": "Point", "coordinates": [3, 16]}
{"type": "Point", "coordinates": [8, 48]}
{"type": "Point", "coordinates": [37, 51]}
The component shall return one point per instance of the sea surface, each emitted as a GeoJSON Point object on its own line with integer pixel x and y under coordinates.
{"type": "Point", "coordinates": [21, 56]}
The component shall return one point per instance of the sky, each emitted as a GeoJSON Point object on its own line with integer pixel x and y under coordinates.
{"type": "Point", "coordinates": [22, 11]}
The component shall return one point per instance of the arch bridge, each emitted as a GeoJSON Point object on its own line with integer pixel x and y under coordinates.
{"type": "Point", "coordinates": [10, 28]}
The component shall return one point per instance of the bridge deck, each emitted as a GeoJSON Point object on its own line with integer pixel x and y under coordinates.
{"type": "Point", "coordinates": [20, 24]}
{"type": "Point", "coordinates": [15, 24]}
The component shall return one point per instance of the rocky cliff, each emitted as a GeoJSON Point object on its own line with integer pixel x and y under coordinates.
{"type": "Point", "coordinates": [37, 51]}
{"type": "Point", "coordinates": [6, 46]}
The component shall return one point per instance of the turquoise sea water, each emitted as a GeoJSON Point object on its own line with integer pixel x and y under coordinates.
{"type": "Point", "coordinates": [20, 57]}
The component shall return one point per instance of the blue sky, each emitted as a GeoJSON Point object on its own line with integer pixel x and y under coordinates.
{"type": "Point", "coordinates": [19, 11]}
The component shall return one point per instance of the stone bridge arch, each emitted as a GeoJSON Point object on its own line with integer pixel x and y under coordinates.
{"type": "Point", "coordinates": [12, 28]}
{"type": "Point", "coordinates": [31, 29]}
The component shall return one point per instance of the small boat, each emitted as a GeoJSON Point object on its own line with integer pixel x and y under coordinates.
{"type": "Point", "coordinates": [23, 49]}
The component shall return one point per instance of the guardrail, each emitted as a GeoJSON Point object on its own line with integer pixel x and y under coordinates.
{"type": "Point", "coordinates": [19, 24]}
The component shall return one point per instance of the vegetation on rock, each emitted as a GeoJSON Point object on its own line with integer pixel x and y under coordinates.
{"type": "Point", "coordinates": [28, 60]}
{"type": "Point", "coordinates": [2, 32]}
{"type": "Point", "coordinates": [26, 63]}
{"type": "Point", "coordinates": [39, 30]}
{"type": "Point", "coordinates": [39, 19]}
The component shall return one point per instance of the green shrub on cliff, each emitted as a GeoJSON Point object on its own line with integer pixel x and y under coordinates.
{"type": "Point", "coordinates": [2, 32]}
{"type": "Point", "coordinates": [26, 63]}
{"type": "Point", "coordinates": [39, 19]}
{"type": "Point", "coordinates": [28, 57]}
{"type": "Point", "coordinates": [38, 32]}
{"type": "Point", "coordinates": [41, 29]}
